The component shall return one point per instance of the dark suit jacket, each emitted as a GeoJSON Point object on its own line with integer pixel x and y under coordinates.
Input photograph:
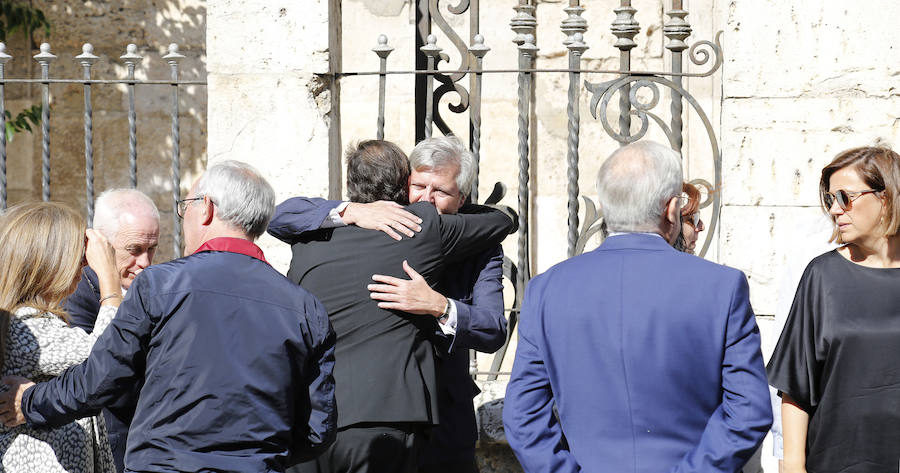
{"type": "Point", "coordinates": [651, 357]}
{"type": "Point", "coordinates": [476, 286]}
{"type": "Point", "coordinates": [385, 369]}
{"type": "Point", "coordinates": [82, 307]}
{"type": "Point", "coordinates": [84, 304]}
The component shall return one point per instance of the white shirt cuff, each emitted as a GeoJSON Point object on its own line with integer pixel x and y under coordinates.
{"type": "Point", "coordinates": [334, 217]}
{"type": "Point", "coordinates": [449, 327]}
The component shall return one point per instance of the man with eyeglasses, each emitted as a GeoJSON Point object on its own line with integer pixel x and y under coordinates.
{"type": "Point", "coordinates": [225, 363]}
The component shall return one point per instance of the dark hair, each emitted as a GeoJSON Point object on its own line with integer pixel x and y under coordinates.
{"type": "Point", "coordinates": [879, 168]}
{"type": "Point", "coordinates": [377, 170]}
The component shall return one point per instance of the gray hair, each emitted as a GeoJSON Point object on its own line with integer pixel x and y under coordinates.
{"type": "Point", "coordinates": [442, 151]}
{"type": "Point", "coordinates": [243, 198]}
{"type": "Point", "coordinates": [634, 185]}
{"type": "Point", "coordinates": [113, 203]}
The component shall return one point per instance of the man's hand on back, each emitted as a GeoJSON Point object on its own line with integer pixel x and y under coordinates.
{"type": "Point", "coordinates": [412, 295]}
{"type": "Point", "coordinates": [383, 215]}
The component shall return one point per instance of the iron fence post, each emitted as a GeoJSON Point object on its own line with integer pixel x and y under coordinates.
{"type": "Point", "coordinates": [478, 49]}
{"type": "Point", "coordinates": [677, 29]}
{"type": "Point", "coordinates": [87, 59]}
{"type": "Point", "coordinates": [431, 51]}
{"type": "Point", "coordinates": [44, 58]}
{"type": "Point", "coordinates": [383, 50]}
{"type": "Point", "coordinates": [4, 58]}
{"type": "Point", "coordinates": [173, 58]}
{"type": "Point", "coordinates": [131, 58]}
{"type": "Point", "coordinates": [625, 27]}
{"type": "Point", "coordinates": [576, 49]}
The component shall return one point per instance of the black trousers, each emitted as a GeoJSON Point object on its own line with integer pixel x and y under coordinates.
{"type": "Point", "coordinates": [462, 466]}
{"type": "Point", "coordinates": [368, 448]}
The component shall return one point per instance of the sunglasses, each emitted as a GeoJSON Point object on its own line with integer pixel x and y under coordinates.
{"type": "Point", "coordinates": [692, 219]}
{"type": "Point", "coordinates": [844, 198]}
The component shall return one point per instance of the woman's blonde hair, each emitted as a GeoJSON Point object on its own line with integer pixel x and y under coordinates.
{"type": "Point", "coordinates": [41, 251]}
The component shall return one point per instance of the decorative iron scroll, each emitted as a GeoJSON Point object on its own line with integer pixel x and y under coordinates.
{"type": "Point", "coordinates": [639, 96]}
{"type": "Point", "coordinates": [631, 84]}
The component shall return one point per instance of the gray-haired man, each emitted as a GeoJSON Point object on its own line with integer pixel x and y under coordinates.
{"type": "Point", "coordinates": [225, 363]}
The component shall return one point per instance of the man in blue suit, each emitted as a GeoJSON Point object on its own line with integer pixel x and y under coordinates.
{"type": "Point", "coordinates": [650, 356]}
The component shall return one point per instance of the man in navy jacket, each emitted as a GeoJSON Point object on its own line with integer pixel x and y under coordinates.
{"type": "Point", "coordinates": [650, 356]}
{"type": "Point", "coordinates": [226, 364]}
{"type": "Point", "coordinates": [442, 172]}
{"type": "Point", "coordinates": [130, 221]}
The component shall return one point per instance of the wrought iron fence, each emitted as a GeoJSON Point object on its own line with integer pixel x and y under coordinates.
{"type": "Point", "coordinates": [624, 82]}
{"type": "Point", "coordinates": [87, 59]}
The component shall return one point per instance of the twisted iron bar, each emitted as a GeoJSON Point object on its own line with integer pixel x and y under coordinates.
{"type": "Point", "coordinates": [131, 58]}
{"type": "Point", "coordinates": [45, 58]}
{"type": "Point", "coordinates": [526, 51]}
{"type": "Point", "coordinates": [173, 58]}
{"type": "Point", "coordinates": [478, 50]}
{"type": "Point", "coordinates": [3, 60]}
{"type": "Point", "coordinates": [87, 59]}
{"type": "Point", "coordinates": [576, 49]}
{"type": "Point", "coordinates": [132, 138]}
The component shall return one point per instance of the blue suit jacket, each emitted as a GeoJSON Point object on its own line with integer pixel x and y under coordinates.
{"type": "Point", "coordinates": [651, 357]}
{"type": "Point", "coordinates": [226, 365]}
{"type": "Point", "coordinates": [476, 286]}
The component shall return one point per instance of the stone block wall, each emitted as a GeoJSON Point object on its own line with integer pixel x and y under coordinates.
{"type": "Point", "coordinates": [109, 26]}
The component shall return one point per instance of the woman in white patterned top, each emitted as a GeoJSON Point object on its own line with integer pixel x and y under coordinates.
{"type": "Point", "coordinates": [42, 251]}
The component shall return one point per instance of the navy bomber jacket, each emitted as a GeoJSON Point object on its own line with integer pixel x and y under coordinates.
{"type": "Point", "coordinates": [226, 365]}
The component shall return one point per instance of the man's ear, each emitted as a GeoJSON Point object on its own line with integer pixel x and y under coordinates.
{"type": "Point", "coordinates": [207, 211]}
{"type": "Point", "coordinates": [673, 210]}
{"type": "Point", "coordinates": [673, 219]}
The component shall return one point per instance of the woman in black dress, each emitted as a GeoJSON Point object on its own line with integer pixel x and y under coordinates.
{"type": "Point", "coordinates": [837, 364]}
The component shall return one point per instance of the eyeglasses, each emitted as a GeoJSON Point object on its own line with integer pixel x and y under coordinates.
{"type": "Point", "coordinates": [844, 198]}
{"type": "Point", "coordinates": [182, 205]}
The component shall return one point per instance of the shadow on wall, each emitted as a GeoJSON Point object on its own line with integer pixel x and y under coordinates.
{"type": "Point", "coordinates": [109, 27]}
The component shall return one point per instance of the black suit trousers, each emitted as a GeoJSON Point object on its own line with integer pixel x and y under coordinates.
{"type": "Point", "coordinates": [369, 448]}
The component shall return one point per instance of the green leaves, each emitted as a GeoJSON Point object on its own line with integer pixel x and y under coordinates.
{"type": "Point", "coordinates": [30, 117]}
{"type": "Point", "coordinates": [16, 16]}
{"type": "Point", "coordinates": [21, 16]}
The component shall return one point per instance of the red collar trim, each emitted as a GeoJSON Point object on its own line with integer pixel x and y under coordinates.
{"type": "Point", "coordinates": [233, 245]}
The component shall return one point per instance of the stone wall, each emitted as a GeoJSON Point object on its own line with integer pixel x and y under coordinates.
{"type": "Point", "coordinates": [801, 81]}
{"type": "Point", "coordinates": [110, 26]}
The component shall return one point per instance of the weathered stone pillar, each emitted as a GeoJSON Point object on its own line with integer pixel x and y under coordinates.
{"type": "Point", "coordinates": [267, 104]}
